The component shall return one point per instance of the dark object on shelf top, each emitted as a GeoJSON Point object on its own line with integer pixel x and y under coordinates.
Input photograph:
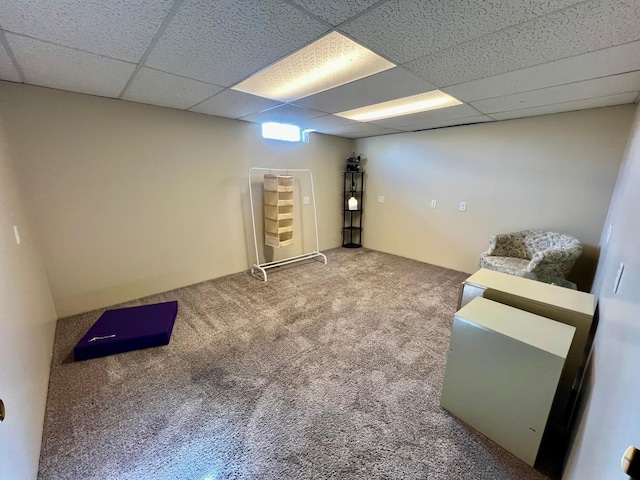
{"type": "Point", "coordinates": [352, 163]}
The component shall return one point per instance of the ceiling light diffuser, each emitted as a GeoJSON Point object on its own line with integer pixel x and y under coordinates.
{"type": "Point", "coordinates": [421, 102]}
{"type": "Point", "coordinates": [326, 63]}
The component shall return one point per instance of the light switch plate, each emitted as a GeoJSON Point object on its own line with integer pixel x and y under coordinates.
{"type": "Point", "coordinates": [380, 198]}
{"type": "Point", "coordinates": [616, 282]}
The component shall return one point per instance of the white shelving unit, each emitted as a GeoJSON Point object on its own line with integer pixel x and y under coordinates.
{"type": "Point", "coordinates": [278, 215]}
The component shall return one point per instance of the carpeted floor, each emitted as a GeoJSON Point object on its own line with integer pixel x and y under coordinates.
{"type": "Point", "coordinates": [326, 371]}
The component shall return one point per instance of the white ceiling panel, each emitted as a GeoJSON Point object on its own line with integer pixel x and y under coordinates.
{"type": "Point", "coordinates": [232, 104]}
{"type": "Point", "coordinates": [117, 29]}
{"type": "Point", "coordinates": [520, 55]}
{"type": "Point", "coordinates": [608, 101]}
{"type": "Point", "coordinates": [582, 28]}
{"type": "Point", "coordinates": [360, 130]}
{"type": "Point", "coordinates": [159, 88]}
{"type": "Point", "coordinates": [335, 11]}
{"type": "Point", "coordinates": [284, 114]}
{"type": "Point", "coordinates": [7, 69]}
{"type": "Point", "coordinates": [610, 61]}
{"type": "Point", "coordinates": [441, 114]}
{"type": "Point", "coordinates": [436, 123]}
{"type": "Point", "coordinates": [226, 41]}
{"type": "Point", "coordinates": [599, 87]}
{"type": "Point", "coordinates": [407, 29]}
{"type": "Point", "coordinates": [67, 69]}
{"type": "Point", "coordinates": [387, 85]}
{"type": "Point", "coordinates": [327, 122]}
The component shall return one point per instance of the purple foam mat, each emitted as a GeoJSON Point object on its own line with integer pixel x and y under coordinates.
{"type": "Point", "coordinates": [125, 329]}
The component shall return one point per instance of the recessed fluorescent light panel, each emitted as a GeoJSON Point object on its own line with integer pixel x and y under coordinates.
{"type": "Point", "coordinates": [401, 106]}
{"type": "Point", "coordinates": [326, 63]}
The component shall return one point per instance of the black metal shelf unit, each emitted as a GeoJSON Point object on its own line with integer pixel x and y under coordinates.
{"type": "Point", "coordinates": [353, 183]}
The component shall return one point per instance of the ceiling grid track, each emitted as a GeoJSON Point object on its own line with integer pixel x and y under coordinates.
{"type": "Point", "coordinates": [495, 32]}
{"type": "Point", "coordinates": [161, 29]}
{"type": "Point", "coordinates": [14, 60]}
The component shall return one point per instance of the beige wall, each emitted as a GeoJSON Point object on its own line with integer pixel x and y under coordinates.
{"type": "Point", "coordinates": [127, 200]}
{"type": "Point", "coordinates": [610, 419]}
{"type": "Point", "coordinates": [131, 199]}
{"type": "Point", "coordinates": [27, 326]}
{"type": "Point", "coordinates": [551, 172]}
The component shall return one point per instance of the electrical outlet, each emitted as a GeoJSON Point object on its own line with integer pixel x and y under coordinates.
{"type": "Point", "coordinates": [380, 198]}
{"type": "Point", "coordinates": [434, 203]}
{"type": "Point", "coordinates": [463, 206]}
{"type": "Point", "coordinates": [305, 200]}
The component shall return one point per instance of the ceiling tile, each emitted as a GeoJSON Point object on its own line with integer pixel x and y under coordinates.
{"type": "Point", "coordinates": [119, 29]}
{"type": "Point", "coordinates": [67, 69]}
{"type": "Point", "coordinates": [608, 101]}
{"type": "Point", "coordinates": [232, 104]}
{"type": "Point", "coordinates": [164, 89]}
{"type": "Point", "coordinates": [7, 70]}
{"type": "Point", "coordinates": [327, 122]}
{"type": "Point", "coordinates": [497, 54]}
{"type": "Point", "coordinates": [441, 114]}
{"type": "Point", "coordinates": [582, 28]}
{"type": "Point", "coordinates": [335, 11]}
{"type": "Point", "coordinates": [283, 114]}
{"type": "Point", "coordinates": [610, 61]}
{"type": "Point", "coordinates": [360, 130]}
{"type": "Point", "coordinates": [226, 41]}
{"type": "Point", "coordinates": [388, 85]}
{"type": "Point", "coordinates": [599, 87]}
{"type": "Point", "coordinates": [407, 29]}
{"type": "Point", "coordinates": [436, 123]}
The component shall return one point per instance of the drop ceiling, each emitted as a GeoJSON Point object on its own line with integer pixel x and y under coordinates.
{"type": "Point", "coordinates": [503, 58]}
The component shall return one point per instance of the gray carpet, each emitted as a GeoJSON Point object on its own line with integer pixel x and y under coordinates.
{"type": "Point", "coordinates": [326, 371]}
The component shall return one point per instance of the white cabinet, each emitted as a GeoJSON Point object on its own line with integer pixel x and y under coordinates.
{"type": "Point", "coordinates": [502, 372]}
{"type": "Point", "coordinates": [557, 303]}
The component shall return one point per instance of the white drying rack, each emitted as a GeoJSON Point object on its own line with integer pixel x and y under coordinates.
{"type": "Point", "coordinates": [263, 267]}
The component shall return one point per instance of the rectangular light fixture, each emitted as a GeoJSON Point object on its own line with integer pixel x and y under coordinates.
{"type": "Point", "coordinates": [421, 102]}
{"type": "Point", "coordinates": [329, 62]}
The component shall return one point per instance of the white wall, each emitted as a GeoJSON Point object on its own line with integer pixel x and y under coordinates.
{"type": "Point", "coordinates": [131, 199]}
{"type": "Point", "coordinates": [610, 420]}
{"type": "Point", "coordinates": [27, 326]}
{"type": "Point", "coordinates": [551, 172]}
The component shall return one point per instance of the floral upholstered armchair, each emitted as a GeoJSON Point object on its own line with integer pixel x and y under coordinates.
{"type": "Point", "coordinates": [539, 255]}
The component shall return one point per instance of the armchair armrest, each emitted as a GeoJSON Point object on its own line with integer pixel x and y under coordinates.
{"type": "Point", "coordinates": [554, 262]}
